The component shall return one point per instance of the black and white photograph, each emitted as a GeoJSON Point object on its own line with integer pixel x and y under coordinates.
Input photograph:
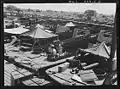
{"type": "Point", "coordinates": [60, 44]}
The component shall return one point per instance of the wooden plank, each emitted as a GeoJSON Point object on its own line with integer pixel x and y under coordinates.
{"type": "Point", "coordinates": [7, 81]}
{"type": "Point", "coordinates": [44, 83]}
{"type": "Point", "coordinates": [58, 79]}
{"type": "Point", "coordinates": [7, 84]}
{"type": "Point", "coordinates": [33, 84]}
{"type": "Point", "coordinates": [27, 73]}
{"type": "Point", "coordinates": [20, 75]}
{"type": "Point", "coordinates": [17, 75]}
{"type": "Point", "coordinates": [27, 82]}
{"type": "Point", "coordinates": [14, 73]}
{"type": "Point", "coordinates": [35, 81]}
{"type": "Point", "coordinates": [8, 67]}
{"type": "Point", "coordinates": [7, 78]}
{"type": "Point", "coordinates": [22, 70]}
{"type": "Point", "coordinates": [39, 81]}
{"type": "Point", "coordinates": [7, 74]}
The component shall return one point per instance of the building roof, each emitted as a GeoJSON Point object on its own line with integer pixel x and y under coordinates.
{"type": "Point", "coordinates": [62, 29]}
{"type": "Point", "coordinates": [18, 30]}
{"type": "Point", "coordinates": [70, 24]}
{"type": "Point", "coordinates": [40, 26]}
{"type": "Point", "coordinates": [39, 33]}
{"type": "Point", "coordinates": [101, 50]}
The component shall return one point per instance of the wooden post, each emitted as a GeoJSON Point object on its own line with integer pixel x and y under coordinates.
{"type": "Point", "coordinates": [33, 45]}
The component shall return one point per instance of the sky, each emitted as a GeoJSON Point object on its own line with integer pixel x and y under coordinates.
{"type": "Point", "coordinates": [104, 8]}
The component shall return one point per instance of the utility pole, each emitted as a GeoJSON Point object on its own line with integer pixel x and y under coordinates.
{"type": "Point", "coordinates": [113, 48]}
{"type": "Point", "coordinates": [112, 64]}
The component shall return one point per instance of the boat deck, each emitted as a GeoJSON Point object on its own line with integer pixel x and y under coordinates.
{"type": "Point", "coordinates": [34, 62]}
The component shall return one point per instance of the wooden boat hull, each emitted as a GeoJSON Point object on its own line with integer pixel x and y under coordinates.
{"type": "Point", "coordinates": [65, 77]}
{"type": "Point", "coordinates": [35, 64]}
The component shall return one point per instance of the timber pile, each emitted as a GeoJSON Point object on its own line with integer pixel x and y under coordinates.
{"type": "Point", "coordinates": [37, 81]}
{"type": "Point", "coordinates": [13, 74]}
{"type": "Point", "coordinates": [18, 75]}
{"type": "Point", "coordinates": [8, 68]}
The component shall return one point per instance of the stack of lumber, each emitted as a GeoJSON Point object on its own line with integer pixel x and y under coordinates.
{"type": "Point", "coordinates": [8, 68]}
{"type": "Point", "coordinates": [36, 81]}
{"type": "Point", "coordinates": [18, 75]}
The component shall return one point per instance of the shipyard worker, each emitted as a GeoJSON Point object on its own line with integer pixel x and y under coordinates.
{"type": "Point", "coordinates": [80, 55]}
{"type": "Point", "coordinates": [54, 51]}
{"type": "Point", "coordinates": [80, 58]}
{"type": "Point", "coordinates": [60, 49]}
{"type": "Point", "coordinates": [50, 48]}
{"type": "Point", "coordinates": [56, 41]}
